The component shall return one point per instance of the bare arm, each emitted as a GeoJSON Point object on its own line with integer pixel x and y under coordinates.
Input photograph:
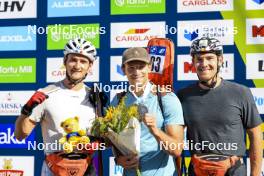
{"type": "Point", "coordinates": [172, 139]}
{"type": "Point", "coordinates": [24, 126]}
{"type": "Point", "coordinates": [255, 149]}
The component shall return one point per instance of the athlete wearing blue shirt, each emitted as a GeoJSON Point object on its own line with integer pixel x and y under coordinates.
{"type": "Point", "coordinates": [153, 160]}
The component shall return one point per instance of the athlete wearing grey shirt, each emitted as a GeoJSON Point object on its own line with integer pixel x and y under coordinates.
{"type": "Point", "coordinates": [216, 113]}
{"type": "Point", "coordinates": [226, 111]}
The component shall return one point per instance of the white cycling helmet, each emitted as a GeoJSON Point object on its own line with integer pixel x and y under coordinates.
{"type": "Point", "coordinates": [80, 46]}
{"type": "Point", "coordinates": [206, 45]}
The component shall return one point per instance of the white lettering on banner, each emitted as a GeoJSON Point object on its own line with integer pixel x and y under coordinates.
{"type": "Point", "coordinates": [69, 4]}
{"type": "Point", "coordinates": [136, 2]}
{"type": "Point", "coordinates": [7, 138]}
{"type": "Point", "coordinates": [15, 38]}
{"type": "Point", "coordinates": [20, 69]}
{"type": "Point", "coordinates": [12, 6]}
{"type": "Point", "coordinates": [58, 29]}
{"type": "Point", "coordinates": [5, 70]}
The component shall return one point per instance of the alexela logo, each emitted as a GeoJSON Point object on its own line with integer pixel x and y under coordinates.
{"type": "Point", "coordinates": [135, 34]}
{"type": "Point", "coordinates": [204, 5]}
{"type": "Point", "coordinates": [76, 3]}
{"type": "Point", "coordinates": [64, 8]}
{"type": "Point", "coordinates": [16, 38]}
{"type": "Point", "coordinates": [8, 140]}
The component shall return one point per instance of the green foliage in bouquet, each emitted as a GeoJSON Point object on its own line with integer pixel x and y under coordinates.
{"type": "Point", "coordinates": [116, 118]}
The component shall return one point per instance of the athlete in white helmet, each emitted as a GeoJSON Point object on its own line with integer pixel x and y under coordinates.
{"type": "Point", "coordinates": [57, 102]}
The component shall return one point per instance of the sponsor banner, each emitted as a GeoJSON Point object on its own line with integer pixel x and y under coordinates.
{"type": "Point", "coordinates": [20, 70]}
{"type": "Point", "coordinates": [11, 102]}
{"type": "Point", "coordinates": [255, 31]}
{"type": "Point", "coordinates": [137, 7]}
{"type": "Point", "coordinates": [8, 139]}
{"type": "Point", "coordinates": [58, 35]}
{"type": "Point", "coordinates": [186, 71]}
{"type": "Point", "coordinates": [16, 38]}
{"type": "Point", "coordinates": [17, 166]}
{"type": "Point", "coordinates": [254, 4]}
{"type": "Point", "coordinates": [114, 169]}
{"type": "Point", "coordinates": [125, 35]}
{"type": "Point", "coordinates": [116, 72]}
{"type": "Point", "coordinates": [113, 92]}
{"type": "Point", "coordinates": [248, 168]}
{"type": "Point", "coordinates": [258, 94]}
{"type": "Point", "coordinates": [64, 8]}
{"type": "Point", "coordinates": [255, 66]}
{"type": "Point", "coordinates": [18, 9]}
{"type": "Point", "coordinates": [223, 30]}
{"type": "Point", "coordinates": [204, 6]}
{"type": "Point", "coordinates": [56, 70]}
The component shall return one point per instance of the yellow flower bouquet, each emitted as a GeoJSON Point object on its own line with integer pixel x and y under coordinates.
{"type": "Point", "coordinates": [116, 119]}
{"type": "Point", "coordinates": [122, 127]}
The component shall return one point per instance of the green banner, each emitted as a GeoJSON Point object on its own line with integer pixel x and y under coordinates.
{"type": "Point", "coordinates": [137, 6]}
{"type": "Point", "coordinates": [19, 70]}
{"type": "Point", "coordinates": [59, 35]}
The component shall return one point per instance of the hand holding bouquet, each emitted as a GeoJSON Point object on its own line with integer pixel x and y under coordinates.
{"type": "Point", "coordinates": [121, 126]}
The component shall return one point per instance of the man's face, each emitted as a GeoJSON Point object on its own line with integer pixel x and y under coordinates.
{"type": "Point", "coordinates": [137, 72]}
{"type": "Point", "coordinates": [206, 65]}
{"type": "Point", "coordinates": [77, 66]}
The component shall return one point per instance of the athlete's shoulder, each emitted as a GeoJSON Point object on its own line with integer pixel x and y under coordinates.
{"type": "Point", "coordinates": [51, 88]}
